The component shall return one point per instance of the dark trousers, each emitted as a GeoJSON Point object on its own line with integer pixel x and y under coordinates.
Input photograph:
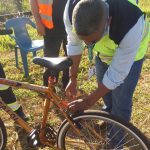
{"type": "Point", "coordinates": [118, 102]}
{"type": "Point", "coordinates": [7, 95]}
{"type": "Point", "coordinates": [52, 44]}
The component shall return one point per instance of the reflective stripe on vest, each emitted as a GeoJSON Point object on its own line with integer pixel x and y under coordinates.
{"type": "Point", "coordinates": [45, 11]}
{"type": "Point", "coordinates": [3, 87]}
{"type": "Point", "coordinates": [14, 106]}
{"type": "Point", "coordinates": [45, 2]}
{"type": "Point", "coordinates": [106, 47]}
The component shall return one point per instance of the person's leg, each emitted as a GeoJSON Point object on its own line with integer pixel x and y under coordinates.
{"type": "Point", "coordinates": [65, 76]}
{"type": "Point", "coordinates": [52, 45]}
{"type": "Point", "coordinates": [122, 98]}
{"type": "Point", "coordinates": [9, 98]}
{"type": "Point", "coordinates": [100, 71]}
{"type": "Point", "coordinates": [122, 95]}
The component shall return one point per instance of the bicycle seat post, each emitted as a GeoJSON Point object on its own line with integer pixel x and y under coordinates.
{"type": "Point", "coordinates": [51, 81]}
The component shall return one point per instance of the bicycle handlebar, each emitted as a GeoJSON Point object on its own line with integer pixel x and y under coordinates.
{"type": "Point", "coordinates": [5, 31]}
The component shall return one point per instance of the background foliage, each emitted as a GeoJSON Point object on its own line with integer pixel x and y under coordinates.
{"type": "Point", "coordinates": [13, 6]}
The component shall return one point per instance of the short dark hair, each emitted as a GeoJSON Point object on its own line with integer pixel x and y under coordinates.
{"type": "Point", "coordinates": [89, 15]}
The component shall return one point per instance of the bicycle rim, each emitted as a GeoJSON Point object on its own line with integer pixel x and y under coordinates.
{"type": "Point", "coordinates": [1, 139]}
{"type": "Point", "coordinates": [101, 131]}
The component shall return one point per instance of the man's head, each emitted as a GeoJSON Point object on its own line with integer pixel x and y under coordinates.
{"type": "Point", "coordinates": [90, 19]}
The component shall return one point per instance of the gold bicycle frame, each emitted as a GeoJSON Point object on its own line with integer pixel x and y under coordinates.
{"type": "Point", "coordinates": [50, 96]}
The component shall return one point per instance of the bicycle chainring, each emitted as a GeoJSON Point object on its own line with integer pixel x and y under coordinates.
{"type": "Point", "coordinates": [49, 136]}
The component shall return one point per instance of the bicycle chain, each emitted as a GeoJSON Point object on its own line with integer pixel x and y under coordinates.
{"type": "Point", "coordinates": [50, 133]}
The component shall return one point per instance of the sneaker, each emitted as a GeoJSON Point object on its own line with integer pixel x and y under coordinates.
{"type": "Point", "coordinates": [21, 114]}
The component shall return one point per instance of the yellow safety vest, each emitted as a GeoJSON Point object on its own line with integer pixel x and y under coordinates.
{"type": "Point", "coordinates": [107, 47]}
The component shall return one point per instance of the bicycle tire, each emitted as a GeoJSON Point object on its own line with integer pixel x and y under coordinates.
{"type": "Point", "coordinates": [64, 138]}
{"type": "Point", "coordinates": [3, 135]}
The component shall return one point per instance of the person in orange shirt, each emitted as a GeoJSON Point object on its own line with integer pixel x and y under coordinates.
{"type": "Point", "coordinates": [48, 16]}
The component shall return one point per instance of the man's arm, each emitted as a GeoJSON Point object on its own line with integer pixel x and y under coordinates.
{"type": "Point", "coordinates": [74, 50]}
{"type": "Point", "coordinates": [74, 68]}
{"type": "Point", "coordinates": [35, 12]}
{"type": "Point", "coordinates": [88, 101]}
{"type": "Point", "coordinates": [124, 56]}
{"type": "Point", "coordinates": [71, 89]}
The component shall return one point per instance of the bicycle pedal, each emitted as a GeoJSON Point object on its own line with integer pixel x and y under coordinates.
{"type": "Point", "coordinates": [33, 139]}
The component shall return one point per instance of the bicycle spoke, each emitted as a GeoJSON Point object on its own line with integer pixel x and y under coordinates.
{"type": "Point", "coordinates": [98, 133]}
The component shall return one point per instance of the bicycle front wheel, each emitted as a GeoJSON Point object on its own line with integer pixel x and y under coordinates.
{"type": "Point", "coordinates": [3, 135]}
{"type": "Point", "coordinates": [100, 130]}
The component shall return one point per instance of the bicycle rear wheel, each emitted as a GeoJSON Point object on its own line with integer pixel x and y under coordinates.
{"type": "Point", "coordinates": [3, 135]}
{"type": "Point", "coordinates": [101, 131]}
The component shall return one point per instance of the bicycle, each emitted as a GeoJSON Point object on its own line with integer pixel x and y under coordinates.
{"type": "Point", "coordinates": [83, 130]}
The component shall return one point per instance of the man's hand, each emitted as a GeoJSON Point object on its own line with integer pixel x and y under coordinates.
{"type": "Point", "coordinates": [79, 105]}
{"type": "Point", "coordinates": [71, 89]}
{"type": "Point", "coordinates": [88, 101]}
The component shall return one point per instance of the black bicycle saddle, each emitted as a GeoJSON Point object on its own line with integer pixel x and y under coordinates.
{"type": "Point", "coordinates": [54, 63]}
